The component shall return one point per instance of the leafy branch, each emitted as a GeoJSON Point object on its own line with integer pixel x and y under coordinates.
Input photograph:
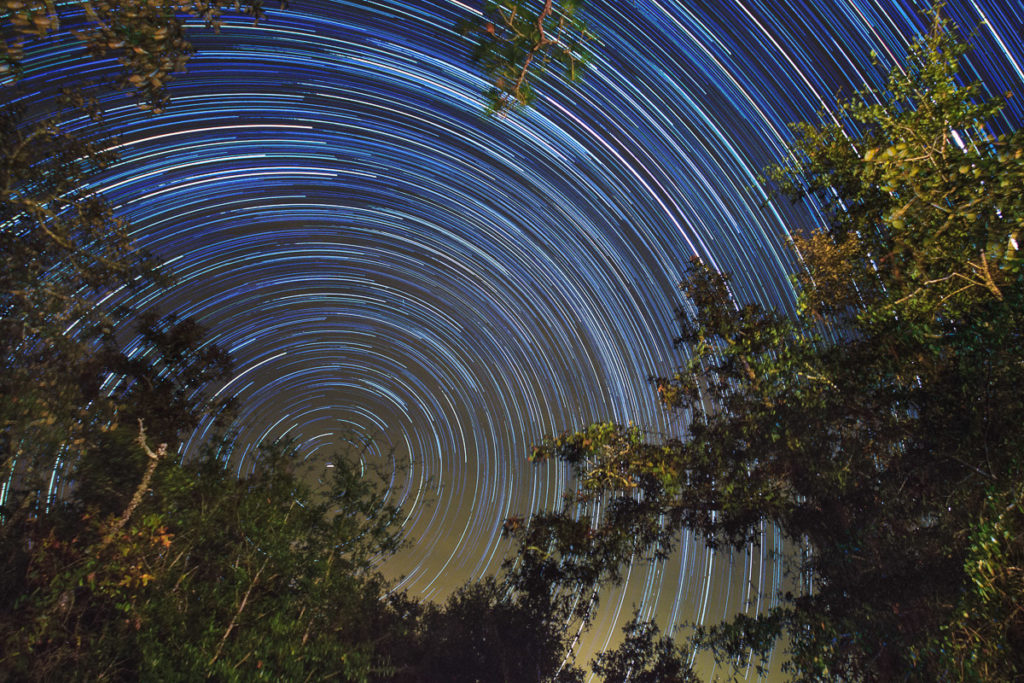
{"type": "Point", "coordinates": [516, 41]}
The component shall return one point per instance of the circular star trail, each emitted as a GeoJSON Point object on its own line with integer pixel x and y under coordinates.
{"type": "Point", "coordinates": [388, 266]}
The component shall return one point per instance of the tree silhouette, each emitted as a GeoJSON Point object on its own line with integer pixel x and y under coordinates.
{"type": "Point", "coordinates": [879, 429]}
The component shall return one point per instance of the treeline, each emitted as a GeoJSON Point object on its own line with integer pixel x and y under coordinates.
{"type": "Point", "coordinates": [880, 429]}
{"type": "Point", "coordinates": [195, 574]}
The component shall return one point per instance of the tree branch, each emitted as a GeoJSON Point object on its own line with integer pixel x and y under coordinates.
{"type": "Point", "coordinates": [154, 460]}
{"type": "Point", "coordinates": [238, 612]}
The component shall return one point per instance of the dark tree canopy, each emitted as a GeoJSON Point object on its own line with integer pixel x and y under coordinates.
{"type": "Point", "coordinates": [643, 657]}
{"type": "Point", "coordinates": [879, 429]}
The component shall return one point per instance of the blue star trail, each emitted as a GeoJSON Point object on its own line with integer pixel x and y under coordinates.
{"type": "Point", "coordinates": [385, 263]}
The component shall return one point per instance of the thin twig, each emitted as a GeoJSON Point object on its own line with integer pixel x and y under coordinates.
{"type": "Point", "coordinates": [238, 612]}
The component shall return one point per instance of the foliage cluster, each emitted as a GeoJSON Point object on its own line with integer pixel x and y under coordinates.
{"type": "Point", "coordinates": [146, 37]}
{"type": "Point", "coordinates": [206, 575]}
{"type": "Point", "coordinates": [516, 41]}
{"type": "Point", "coordinates": [879, 429]}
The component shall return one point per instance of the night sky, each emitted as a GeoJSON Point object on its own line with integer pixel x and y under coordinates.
{"type": "Point", "coordinates": [386, 263]}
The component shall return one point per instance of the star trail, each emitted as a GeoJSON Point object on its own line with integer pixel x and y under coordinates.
{"type": "Point", "coordinates": [386, 264]}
